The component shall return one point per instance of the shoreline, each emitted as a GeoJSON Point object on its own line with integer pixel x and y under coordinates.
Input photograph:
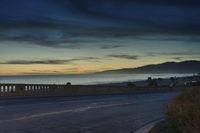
{"type": "Point", "coordinates": [99, 80]}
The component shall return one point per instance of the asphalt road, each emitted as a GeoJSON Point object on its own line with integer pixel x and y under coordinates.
{"type": "Point", "coordinates": [86, 114]}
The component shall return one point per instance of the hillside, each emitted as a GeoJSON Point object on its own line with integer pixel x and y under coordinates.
{"type": "Point", "coordinates": [167, 67]}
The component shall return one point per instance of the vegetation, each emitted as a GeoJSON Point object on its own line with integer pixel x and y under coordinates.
{"type": "Point", "coordinates": [131, 84]}
{"type": "Point", "coordinates": [68, 83]}
{"type": "Point", "coordinates": [183, 115]}
{"type": "Point", "coordinates": [152, 83]}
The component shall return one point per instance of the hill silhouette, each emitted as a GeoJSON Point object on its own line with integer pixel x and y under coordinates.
{"type": "Point", "coordinates": [167, 67]}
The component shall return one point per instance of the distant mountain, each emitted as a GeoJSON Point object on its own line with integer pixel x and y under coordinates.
{"type": "Point", "coordinates": [167, 67]}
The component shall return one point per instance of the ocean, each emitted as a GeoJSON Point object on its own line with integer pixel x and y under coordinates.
{"type": "Point", "coordinates": [83, 79]}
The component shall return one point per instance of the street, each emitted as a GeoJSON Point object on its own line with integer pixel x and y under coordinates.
{"type": "Point", "coordinates": [82, 114]}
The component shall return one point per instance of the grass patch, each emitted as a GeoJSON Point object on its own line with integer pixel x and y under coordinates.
{"type": "Point", "coordinates": [183, 113]}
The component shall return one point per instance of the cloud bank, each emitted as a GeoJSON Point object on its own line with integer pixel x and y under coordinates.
{"type": "Point", "coordinates": [124, 56]}
{"type": "Point", "coordinates": [75, 23]}
{"type": "Point", "coordinates": [50, 61]}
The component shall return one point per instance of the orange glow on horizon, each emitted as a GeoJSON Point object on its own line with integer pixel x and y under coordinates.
{"type": "Point", "coordinates": [81, 68]}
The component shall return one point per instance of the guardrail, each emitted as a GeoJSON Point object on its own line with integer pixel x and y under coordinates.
{"type": "Point", "coordinates": [34, 90]}
{"type": "Point", "coordinates": [24, 90]}
{"type": "Point", "coordinates": [30, 89]}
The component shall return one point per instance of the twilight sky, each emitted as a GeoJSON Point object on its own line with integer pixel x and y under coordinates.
{"type": "Point", "coordinates": [82, 36]}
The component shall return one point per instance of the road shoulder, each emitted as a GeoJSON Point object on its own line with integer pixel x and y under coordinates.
{"type": "Point", "coordinates": [146, 128]}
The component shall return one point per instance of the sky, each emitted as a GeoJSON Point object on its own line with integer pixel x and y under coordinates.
{"type": "Point", "coordinates": [85, 36]}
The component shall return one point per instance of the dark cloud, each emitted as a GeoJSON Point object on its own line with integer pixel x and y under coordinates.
{"type": "Point", "coordinates": [173, 53]}
{"type": "Point", "coordinates": [183, 58]}
{"type": "Point", "coordinates": [27, 62]}
{"type": "Point", "coordinates": [60, 38]}
{"type": "Point", "coordinates": [178, 58]}
{"type": "Point", "coordinates": [111, 46]}
{"type": "Point", "coordinates": [50, 61]}
{"type": "Point", "coordinates": [183, 38]}
{"type": "Point", "coordinates": [82, 3]}
{"type": "Point", "coordinates": [74, 23]}
{"type": "Point", "coordinates": [124, 56]}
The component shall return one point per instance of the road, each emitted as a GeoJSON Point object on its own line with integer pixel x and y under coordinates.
{"type": "Point", "coordinates": [84, 114]}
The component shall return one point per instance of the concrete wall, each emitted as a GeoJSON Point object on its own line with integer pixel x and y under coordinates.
{"type": "Point", "coordinates": [14, 90]}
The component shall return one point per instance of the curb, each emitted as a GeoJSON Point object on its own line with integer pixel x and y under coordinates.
{"type": "Point", "coordinates": [146, 128]}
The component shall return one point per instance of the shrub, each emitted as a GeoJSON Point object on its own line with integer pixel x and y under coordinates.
{"type": "Point", "coordinates": [153, 83]}
{"type": "Point", "coordinates": [183, 114]}
{"type": "Point", "coordinates": [68, 84]}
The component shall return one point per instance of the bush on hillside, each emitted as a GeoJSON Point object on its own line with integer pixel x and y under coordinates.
{"type": "Point", "coordinates": [183, 115]}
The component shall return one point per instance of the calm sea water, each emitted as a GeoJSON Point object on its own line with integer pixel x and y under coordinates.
{"type": "Point", "coordinates": [83, 79]}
